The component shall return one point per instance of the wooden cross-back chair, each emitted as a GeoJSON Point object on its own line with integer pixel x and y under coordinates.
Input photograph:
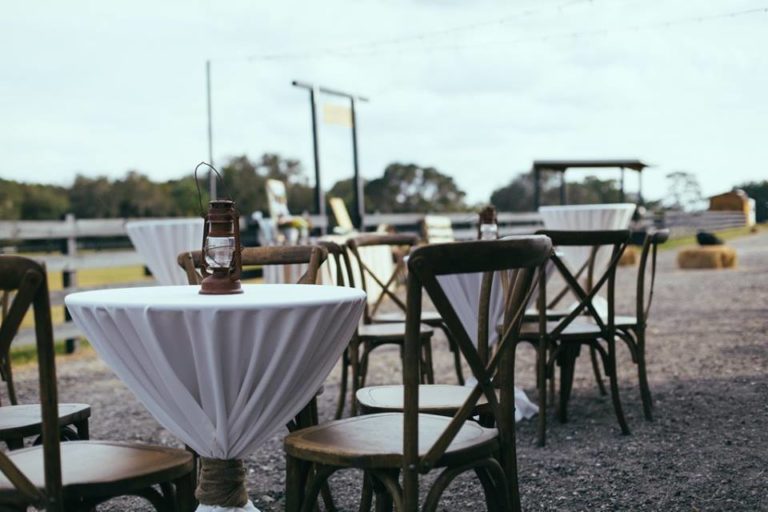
{"type": "Point", "coordinates": [78, 475]}
{"type": "Point", "coordinates": [389, 445]}
{"type": "Point", "coordinates": [311, 255]}
{"type": "Point", "coordinates": [21, 421]}
{"type": "Point", "coordinates": [371, 315]}
{"type": "Point", "coordinates": [368, 337]}
{"type": "Point", "coordinates": [632, 328]}
{"type": "Point", "coordinates": [559, 341]}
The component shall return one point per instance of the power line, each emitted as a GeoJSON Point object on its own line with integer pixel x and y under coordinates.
{"type": "Point", "coordinates": [419, 37]}
{"type": "Point", "coordinates": [360, 51]}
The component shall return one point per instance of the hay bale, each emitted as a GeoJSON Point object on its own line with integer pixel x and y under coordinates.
{"type": "Point", "coordinates": [629, 257]}
{"type": "Point", "coordinates": [712, 256]}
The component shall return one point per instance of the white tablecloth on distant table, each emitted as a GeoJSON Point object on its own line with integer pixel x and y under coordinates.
{"type": "Point", "coordinates": [463, 290]}
{"type": "Point", "coordinates": [222, 372]}
{"type": "Point", "coordinates": [378, 258]}
{"type": "Point", "coordinates": [160, 241]}
{"type": "Point", "coordinates": [586, 217]}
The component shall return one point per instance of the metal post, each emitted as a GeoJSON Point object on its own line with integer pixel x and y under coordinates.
{"type": "Point", "coordinates": [69, 275]}
{"type": "Point", "coordinates": [562, 187]}
{"type": "Point", "coordinates": [536, 184]}
{"type": "Point", "coordinates": [622, 185]}
{"type": "Point", "coordinates": [640, 188]}
{"type": "Point", "coordinates": [319, 196]}
{"type": "Point", "coordinates": [211, 175]}
{"type": "Point", "coordinates": [358, 183]}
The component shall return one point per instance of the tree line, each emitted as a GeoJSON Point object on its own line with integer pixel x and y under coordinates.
{"type": "Point", "coordinates": [402, 188]}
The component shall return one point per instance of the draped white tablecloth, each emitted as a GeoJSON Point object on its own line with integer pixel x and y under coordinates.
{"type": "Point", "coordinates": [378, 258]}
{"type": "Point", "coordinates": [222, 372]}
{"type": "Point", "coordinates": [463, 290]}
{"type": "Point", "coordinates": [586, 217]}
{"type": "Point", "coordinates": [159, 241]}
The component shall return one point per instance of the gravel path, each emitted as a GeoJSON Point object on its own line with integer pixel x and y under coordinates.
{"type": "Point", "coordinates": [707, 449]}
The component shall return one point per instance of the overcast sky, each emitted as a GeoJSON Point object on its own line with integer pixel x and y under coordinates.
{"type": "Point", "coordinates": [477, 89]}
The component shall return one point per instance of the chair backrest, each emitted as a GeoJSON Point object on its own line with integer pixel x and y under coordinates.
{"type": "Point", "coordinates": [311, 255]}
{"type": "Point", "coordinates": [28, 279]}
{"type": "Point", "coordinates": [617, 241]}
{"type": "Point", "coordinates": [277, 198]}
{"type": "Point", "coordinates": [650, 245]}
{"type": "Point", "coordinates": [342, 263]}
{"type": "Point", "coordinates": [341, 214]}
{"type": "Point", "coordinates": [387, 284]}
{"type": "Point", "coordinates": [437, 229]}
{"type": "Point", "coordinates": [518, 258]}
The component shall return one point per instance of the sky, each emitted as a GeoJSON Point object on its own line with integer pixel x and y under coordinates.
{"type": "Point", "coordinates": [478, 90]}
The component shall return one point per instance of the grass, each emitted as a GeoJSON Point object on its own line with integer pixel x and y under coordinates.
{"type": "Point", "coordinates": [27, 354]}
{"type": "Point", "coordinates": [726, 234]}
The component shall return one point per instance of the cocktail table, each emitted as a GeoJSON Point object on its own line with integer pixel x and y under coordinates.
{"type": "Point", "coordinates": [221, 372]}
{"type": "Point", "coordinates": [159, 241]}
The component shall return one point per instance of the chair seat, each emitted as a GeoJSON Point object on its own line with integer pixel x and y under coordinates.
{"type": "Point", "coordinates": [532, 314]}
{"type": "Point", "coordinates": [376, 441]}
{"type": "Point", "coordinates": [392, 331]}
{"type": "Point", "coordinates": [431, 318]}
{"type": "Point", "coordinates": [101, 468]}
{"type": "Point", "coordinates": [442, 399]}
{"type": "Point", "coordinates": [578, 328]}
{"type": "Point", "coordinates": [24, 420]}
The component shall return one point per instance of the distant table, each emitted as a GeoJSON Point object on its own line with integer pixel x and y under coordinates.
{"type": "Point", "coordinates": [159, 241]}
{"type": "Point", "coordinates": [586, 217]}
{"type": "Point", "coordinates": [222, 372]}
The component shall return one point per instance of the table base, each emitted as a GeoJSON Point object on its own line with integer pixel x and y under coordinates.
{"type": "Point", "coordinates": [248, 507]}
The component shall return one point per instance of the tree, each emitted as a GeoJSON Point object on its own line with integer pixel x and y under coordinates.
{"type": "Point", "coordinates": [409, 188]}
{"type": "Point", "coordinates": [758, 190]}
{"type": "Point", "coordinates": [44, 202]}
{"type": "Point", "coordinates": [246, 182]}
{"type": "Point", "coordinates": [11, 197]}
{"type": "Point", "coordinates": [684, 191]}
{"type": "Point", "coordinates": [91, 198]}
{"type": "Point", "coordinates": [517, 196]}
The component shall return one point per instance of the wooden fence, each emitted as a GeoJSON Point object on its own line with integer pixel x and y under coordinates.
{"type": "Point", "coordinates": [71, 232]}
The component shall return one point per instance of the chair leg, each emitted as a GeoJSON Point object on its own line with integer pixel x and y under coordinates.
{"type": "Point", "coordinates": [354, 365]}
{"type": "Point", "coordinates": [185, 493]}
{"type": "Point", "coordinates": [343, 385]}
{"type": "Point", "coordinates": [567, 362]}
{"type": "Point", "coordinates": [83, 431]}
{"type": "Point", "coordinates": [428, 372]}
{"type": "Point", "coordinates": [596, 370]}
{"type": "Point", "coordinates": [541, 373]}
{"type": "Point", "coordinates": [456, 355]}
{"type": "Point", "coordinates": [296, 474]}
{"type": "Point", "coordinates": [645, 390]}
{"type": "Point", "coordinates": [366, 496]}
{"type": "Point", "coordinates": [615, 386]}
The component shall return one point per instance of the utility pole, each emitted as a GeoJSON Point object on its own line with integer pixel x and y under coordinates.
{"type": "Point", "coordinates": [211, 175]}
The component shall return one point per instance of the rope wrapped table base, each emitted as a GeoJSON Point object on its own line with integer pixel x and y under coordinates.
{"type": "Point", "coordinates": [221, 485]}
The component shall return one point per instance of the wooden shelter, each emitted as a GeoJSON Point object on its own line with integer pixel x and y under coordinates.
{"type": "Point", "coordinates": [563, 165]}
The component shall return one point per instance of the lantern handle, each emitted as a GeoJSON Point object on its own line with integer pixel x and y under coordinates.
{"type": "Point", "coordinates": [197, 184]}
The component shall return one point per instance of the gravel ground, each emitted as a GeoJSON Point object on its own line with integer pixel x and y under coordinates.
{"type": "Point", "coordinates": [706, 450]}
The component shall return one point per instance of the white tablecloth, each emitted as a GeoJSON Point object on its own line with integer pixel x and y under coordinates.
{"type": "Point", "coordinates": [463, 290]}
{"type": "Point", "coordinates": [160, 241]}
{"type": "Point", "coordinates": [222, 372]}
{"type": "Point", "coordinates": [587, 217]}
{"type": "Point", "coordinates": [377, 258]}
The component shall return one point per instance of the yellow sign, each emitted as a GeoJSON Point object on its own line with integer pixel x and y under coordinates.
{"type": "Point", "coordinates": [337, 114]}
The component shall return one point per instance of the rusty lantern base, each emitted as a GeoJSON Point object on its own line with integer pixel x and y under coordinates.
{"type": "Point", "coordinates": [219, 283]}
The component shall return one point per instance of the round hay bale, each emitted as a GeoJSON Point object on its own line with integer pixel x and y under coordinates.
{"type": "Point", "coordinates": [629, 257]}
